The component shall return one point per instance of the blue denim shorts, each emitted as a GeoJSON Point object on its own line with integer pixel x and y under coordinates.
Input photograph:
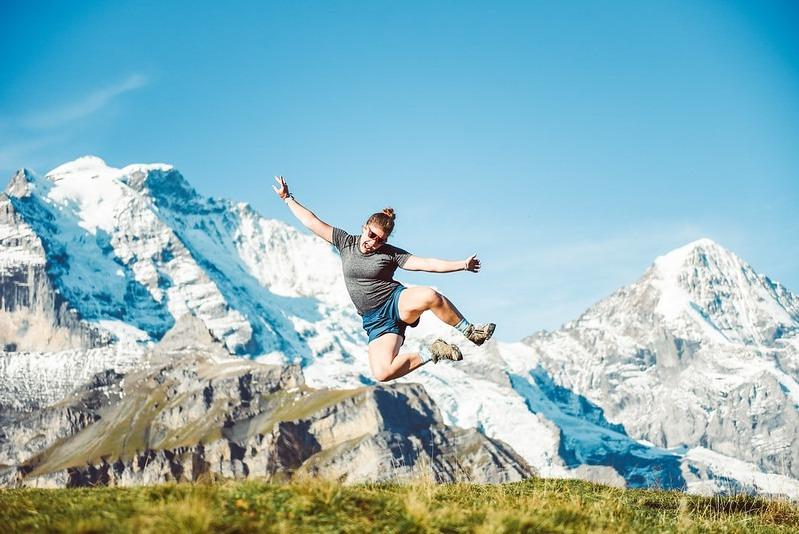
{"type": "Point", "coordinates": [385, 319]}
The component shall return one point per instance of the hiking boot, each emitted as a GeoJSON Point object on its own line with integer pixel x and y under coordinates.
{"type": "Point", "coordinates": [479, 334]}
{"type": "Point", "coordinates": [441, 350]}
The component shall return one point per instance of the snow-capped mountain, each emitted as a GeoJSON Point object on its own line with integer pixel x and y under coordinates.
{"type": "Point", "coordinates": [686, 378]}
{"type": "Point", "coordinates": [701, 351]}
{"type": "Point", "coordinates": [131, 249]}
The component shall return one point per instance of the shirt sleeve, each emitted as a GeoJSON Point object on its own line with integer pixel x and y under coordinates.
{"type": "Point", "coordinates": [339, 238]}
{"type": "Point", "coordinates": [401, 256]}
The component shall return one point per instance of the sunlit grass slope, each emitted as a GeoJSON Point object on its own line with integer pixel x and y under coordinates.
{"type": "Point", "coordinates": [320, 506]}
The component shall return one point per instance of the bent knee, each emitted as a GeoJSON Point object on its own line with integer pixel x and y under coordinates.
{"type": "Point", "coordinates": [433, 297]}
{"type": "Point", "coordinates": [382, 375]}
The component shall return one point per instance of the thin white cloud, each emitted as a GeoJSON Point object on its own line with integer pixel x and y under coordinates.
{"type": "Point", "coordinates": [92, 103]}
{"type": "Point", "coordinates": [25, 139]}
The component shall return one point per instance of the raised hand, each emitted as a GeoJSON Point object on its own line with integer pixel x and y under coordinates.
{"type": "Point", "coordinates": [283, 190]}
{"type": "Point", "coordinates": [473, 264]}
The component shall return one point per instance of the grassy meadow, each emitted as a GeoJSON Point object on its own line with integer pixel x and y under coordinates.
{"type": "Point", "coordinates": [537, 505]}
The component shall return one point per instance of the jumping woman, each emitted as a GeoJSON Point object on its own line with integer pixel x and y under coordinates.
{"type": "Point", "coordinates": [386, 306]}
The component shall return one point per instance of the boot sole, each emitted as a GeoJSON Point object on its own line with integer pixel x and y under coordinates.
{"type": "Point", "coordinates": [489, 333]}
{"type": "Point", "coordinates": [455, 353]}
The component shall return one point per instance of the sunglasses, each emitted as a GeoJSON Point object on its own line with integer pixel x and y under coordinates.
{"type": "Point", "coordinates": [374, 236]}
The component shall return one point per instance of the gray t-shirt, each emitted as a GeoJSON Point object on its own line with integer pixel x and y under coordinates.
{"type": "Point", "coordinates": [368, 277]}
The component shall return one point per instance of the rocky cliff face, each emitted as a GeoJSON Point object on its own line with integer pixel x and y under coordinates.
{"type": "Point", "coordinates": [700, 352]}
{"type": "Point", "coordinates": [191, 412]}
{"type": "Point", "coordinates": [35, 316]}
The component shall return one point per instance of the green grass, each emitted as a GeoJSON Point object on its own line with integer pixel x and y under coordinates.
{"type": "Point", "coordinates": [539, 505]}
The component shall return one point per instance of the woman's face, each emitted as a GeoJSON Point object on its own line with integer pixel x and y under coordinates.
{"type": "Point", "coordinates": [373, 237]}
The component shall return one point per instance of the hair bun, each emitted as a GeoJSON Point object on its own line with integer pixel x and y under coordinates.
{"type": "Point", "coordinates": [389, 213]}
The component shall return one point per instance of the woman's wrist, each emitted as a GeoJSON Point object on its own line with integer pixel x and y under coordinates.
{"type": "Point", "coordinates": [288, 197]}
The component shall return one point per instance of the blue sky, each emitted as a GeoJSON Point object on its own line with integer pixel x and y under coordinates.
{"type": "Point", "coordinates": [567, 143]}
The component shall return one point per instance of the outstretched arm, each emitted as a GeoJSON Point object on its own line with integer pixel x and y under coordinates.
{"type": "Point", "coordinates": [306, 216]}
{"type": "Point", "coordinates": [433, 265]}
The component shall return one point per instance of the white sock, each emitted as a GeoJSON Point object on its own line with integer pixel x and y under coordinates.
{"type": "Point", "coordinates": [463, 325]}
{"type": "Point", "coordinates": [425, 355]}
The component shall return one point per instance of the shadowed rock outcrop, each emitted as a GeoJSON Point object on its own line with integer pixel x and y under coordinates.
{"type": "Point", "coordinates": [192, 414]}
{"type": "Point", "coordinates": [33, 313]}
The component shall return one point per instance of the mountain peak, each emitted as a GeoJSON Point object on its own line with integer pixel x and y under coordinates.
{"type": "Point", "coordinates": [703, 242]}
{"type": "Point", "coordinates": [19, 186]}
{"type": "Point", "coordinates": [700, 253]}
{"type": "Point", "coordinates": [723, 293]}
{"type": "Point", "coordinates": [81, 165]}
{"type": "Point", "coordinates": [94, 166]}
{"type": "Point", "coordinates": [166, 186]}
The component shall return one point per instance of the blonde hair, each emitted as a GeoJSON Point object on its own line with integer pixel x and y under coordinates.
{"type": "Point", "coordinates": [384, 219]}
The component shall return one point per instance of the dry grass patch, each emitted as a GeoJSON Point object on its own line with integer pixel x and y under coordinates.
{"type": "Point", "coordinates": [313, 505]}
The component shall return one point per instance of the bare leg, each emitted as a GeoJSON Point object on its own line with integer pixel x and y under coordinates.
{"type": "Point", "coordinates": [403, 364]}
{"type": "Point", "coordinates": [416, 300]}
{"type": "Point", "coordinates": [385, 360]}
{"type": "Point", "coordinates": [446, 311]}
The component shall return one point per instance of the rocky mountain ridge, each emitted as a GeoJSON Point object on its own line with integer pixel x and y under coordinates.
{"type": "Point", "coordinates": [701, 351]}
{"type": "Point", "coordinates": [193, 413]}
